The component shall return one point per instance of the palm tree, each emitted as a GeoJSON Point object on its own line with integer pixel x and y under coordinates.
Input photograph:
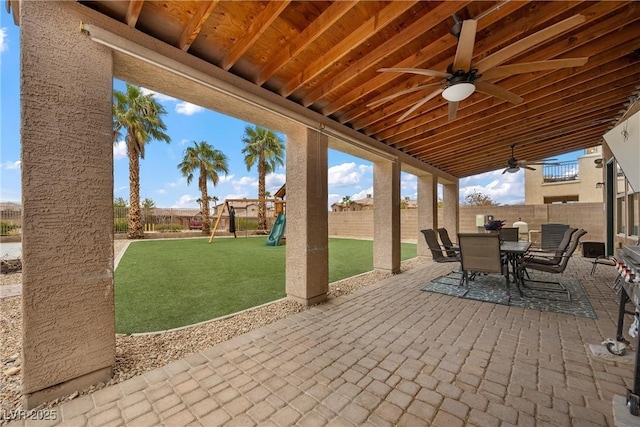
{"type": "Point", "coordinates": [139, 116]}
{"type": "Point", "coordinates": [346, 201]}
{"type": "Point", "coordinates": [208, 161]}
{"type": "Point", "coordinates": [264, 147]}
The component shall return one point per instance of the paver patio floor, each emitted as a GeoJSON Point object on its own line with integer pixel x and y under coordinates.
{"type": "Point", "coordinates": [388, 354]}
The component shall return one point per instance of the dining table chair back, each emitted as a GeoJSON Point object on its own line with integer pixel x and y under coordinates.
{"type": "Point", "coordinates": [532, 264]}
{"type": "Point", "coordinates": [435, 248]}
{"type": "Point", "coordinates": [446, 242]}
{"type": "Point", "coordinates": [479, 253]}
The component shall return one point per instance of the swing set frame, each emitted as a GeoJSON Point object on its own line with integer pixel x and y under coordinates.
{"type": "Point", "coordinates": [279, 204]}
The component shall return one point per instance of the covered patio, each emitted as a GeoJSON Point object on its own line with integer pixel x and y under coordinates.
{"type": "Point", "coordinates": [311, 71]}
{"type": "Point", "coordinates": [389, 354]}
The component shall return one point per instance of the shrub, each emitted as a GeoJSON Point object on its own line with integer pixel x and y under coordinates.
{"type": "Point", "coordinates": [169, 227]}
{"type": "Point", "coordinates": [6, 228]}
{"type": "Point", "coordinates": [243, 224]}
{"type": "Point", "coordinates": [120, 225]}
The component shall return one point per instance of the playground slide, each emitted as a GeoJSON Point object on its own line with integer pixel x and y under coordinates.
{"type": "Point", "coordinates": [276, 231]}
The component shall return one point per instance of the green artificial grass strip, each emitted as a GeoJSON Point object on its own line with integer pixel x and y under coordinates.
{"type": "Point", "coordinates": [165, 284]}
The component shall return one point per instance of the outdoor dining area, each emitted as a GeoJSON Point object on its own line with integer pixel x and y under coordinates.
{"type": "Point", "coordinates": [501, 257]}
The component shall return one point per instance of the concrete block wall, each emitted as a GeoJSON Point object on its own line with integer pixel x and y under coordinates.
{"type": "Point", "coordinates": [589, 216]}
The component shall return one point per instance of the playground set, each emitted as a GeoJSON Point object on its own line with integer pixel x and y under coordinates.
{"type": "Point", "coordinates": [277, 231]}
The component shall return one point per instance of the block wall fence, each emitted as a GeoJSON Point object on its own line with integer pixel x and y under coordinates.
{"type": "Point", "coordinates": [589, 216]}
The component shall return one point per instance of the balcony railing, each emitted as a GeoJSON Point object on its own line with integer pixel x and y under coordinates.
{"type": "Point", "coordinates": [560, 172]}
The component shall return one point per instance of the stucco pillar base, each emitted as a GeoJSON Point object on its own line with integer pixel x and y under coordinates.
{"type": "Point", "coordinates": [310, 301]}
{"type": "Point", "coordinates": [32, 400]}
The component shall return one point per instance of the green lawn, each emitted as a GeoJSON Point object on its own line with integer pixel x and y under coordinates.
{"type": "Point", "coordinates": [164, 284]}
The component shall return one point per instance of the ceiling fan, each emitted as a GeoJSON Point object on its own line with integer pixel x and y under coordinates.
{"type": "Point", "coordinates": [514, 165]}
{"type": "Point", "coordinates": [463, 77]}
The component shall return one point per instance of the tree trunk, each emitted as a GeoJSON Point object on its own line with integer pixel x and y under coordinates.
{"type": "Point", "coordinates": [136, 231]}
{"type": "Point", "coordinates": [262, 207]}
{"type": "Point", "coordinates": [206, 228]}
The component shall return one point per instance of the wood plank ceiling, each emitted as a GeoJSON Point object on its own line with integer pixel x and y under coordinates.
{"type": "Point", "coordinates": [326, 56]}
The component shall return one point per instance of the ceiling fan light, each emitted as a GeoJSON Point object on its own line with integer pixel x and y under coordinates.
{"type": "Point", "coordinates": [458, 92]}
{"type": "Point", "coordinates": [513, 169]}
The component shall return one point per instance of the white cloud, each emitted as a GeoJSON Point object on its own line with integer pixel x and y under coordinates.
{"type": "Point", "coordinates": [11, 165]}
{"type": "Point", "coordinates": [186, 201]}
{"type": "Point", "coordinates": [183, 141]}
{"type": "Point", "coordinates": [408, 183]}
{"type": "Point", "coordinates": [507, 189]}
{"type": "Point", "coordinates": [225, 178]}
{"type": "Point", "coordinates": [157, 95]}
{"type": "Point", "coordinates": [162, 191]}
{"type": "Point", "coordinates": [119, 150]}
{"type": "Point", "coordinates": [246, 180]}
{"type": "Point", "coordinates": [274, 181]}
{"type": "Point", "coordinates": [347, 174]}
{"type": "Point", "coordinates": [236, 196]}
{"type": "Point", "coordinates": [188, 108]}
{"type": "Point", "coordinates": [3, 40]}
{"type": "Point", "coordinates": [362, 194]}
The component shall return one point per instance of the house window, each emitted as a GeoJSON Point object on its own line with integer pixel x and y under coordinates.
{"type": "Point", "coordinates": [548, 200]}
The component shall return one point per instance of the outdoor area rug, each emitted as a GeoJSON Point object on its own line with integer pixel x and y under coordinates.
{"type": "Point", "coordinates": [491, 288]}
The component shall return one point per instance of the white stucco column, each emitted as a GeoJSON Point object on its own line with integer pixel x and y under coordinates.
{"type": "Point", "coordinates": [67, 195]}
{"type": "Point", "coordinates": [427, 209]}
{"type": "Point", "coordinates": [307, 221]}
{"type": "Point", "coordinates": [386, 215]}
{"type": "Point", "coordinates": [450, 208]}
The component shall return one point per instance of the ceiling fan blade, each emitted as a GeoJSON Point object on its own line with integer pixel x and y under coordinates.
{"type": "Point", "coordinates": [464, 53]}
{"type": "Point", "coordinates": [421, 71]}
{"type": "Point", "coordinates": [497, 91]}
{"type": "Point", "coordinates": [505, 171]}
{"type": "Point", "coordinates": [529, 167]}
{"type": "Point", "coordinates": [402, 92]}
{"type": "Point", "coordinates": [453, 109]}
{"type": "Point", "coordinates": [529, 67]}
{"type": "Point", "coordinates": [420, 104]}
{"type": "Point", "coordinates": [520, 46]}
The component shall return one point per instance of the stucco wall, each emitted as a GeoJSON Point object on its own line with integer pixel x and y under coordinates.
{"type": "Point", "coordinates": [584, 187]}
{"type": "Point", "coordinates": [67, 165]}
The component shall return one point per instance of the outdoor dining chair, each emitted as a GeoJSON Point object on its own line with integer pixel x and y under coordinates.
{"type": "Point", "coordinates": [436, 249]}
{"type": "Point", "coordinates": [540, 264]}
{"type": "Point", "coordinates": [449, 247]}
{"type": "Point", "coordinates": [479, 253]}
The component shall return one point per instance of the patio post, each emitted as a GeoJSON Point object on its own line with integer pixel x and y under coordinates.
{"type": "Point", "coordinates": [386, 215]}
{"type": "Point", "coordinates": [450, 207]}
{"type": "Point", "coordinates": [307, 276]}
{"type": "Point", "coordinates": [427, 209]}
{"type": "Point", "coordinates": [68, 328]}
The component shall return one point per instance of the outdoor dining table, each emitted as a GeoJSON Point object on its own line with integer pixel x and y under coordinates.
{"type": "Point", "coordinates": [513, 252]}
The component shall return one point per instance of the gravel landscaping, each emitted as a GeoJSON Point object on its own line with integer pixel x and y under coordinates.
{"type": "Point", "coordinates": [136, 354]}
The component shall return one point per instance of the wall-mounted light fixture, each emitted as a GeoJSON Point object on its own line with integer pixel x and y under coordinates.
{"type": "Point", "coordinates": [599, 184]}
{"type": "Point", "coordinates": [598, 163]}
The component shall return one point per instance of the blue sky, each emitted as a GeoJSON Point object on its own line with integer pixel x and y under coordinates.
{"type": "Point", "coordinates": [160, 179]}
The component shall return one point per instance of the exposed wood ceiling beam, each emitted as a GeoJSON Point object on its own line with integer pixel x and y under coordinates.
{"type": "Point", "coordinates": [566, 46]}
{"type": "Point", "coordinates": [316, 29]}
{"type": "Point", "coordinates": [133, 12]}
{"type": "Point", "coordinates": [537, 92]}
{"type": "Point", "coordinates": [257, 27]}
{"type": "Point", "coordinates": [421, 60]}
{"type": "Point", "coordinates": [194, 26]}
{"type": "Point", "coordinates": [352, 41]}
{"type": "Point", "coordinates": [410, 33]}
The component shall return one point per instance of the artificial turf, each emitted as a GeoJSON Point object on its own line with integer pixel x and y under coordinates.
{"type": "Point", "coordinates": [164, 284]}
